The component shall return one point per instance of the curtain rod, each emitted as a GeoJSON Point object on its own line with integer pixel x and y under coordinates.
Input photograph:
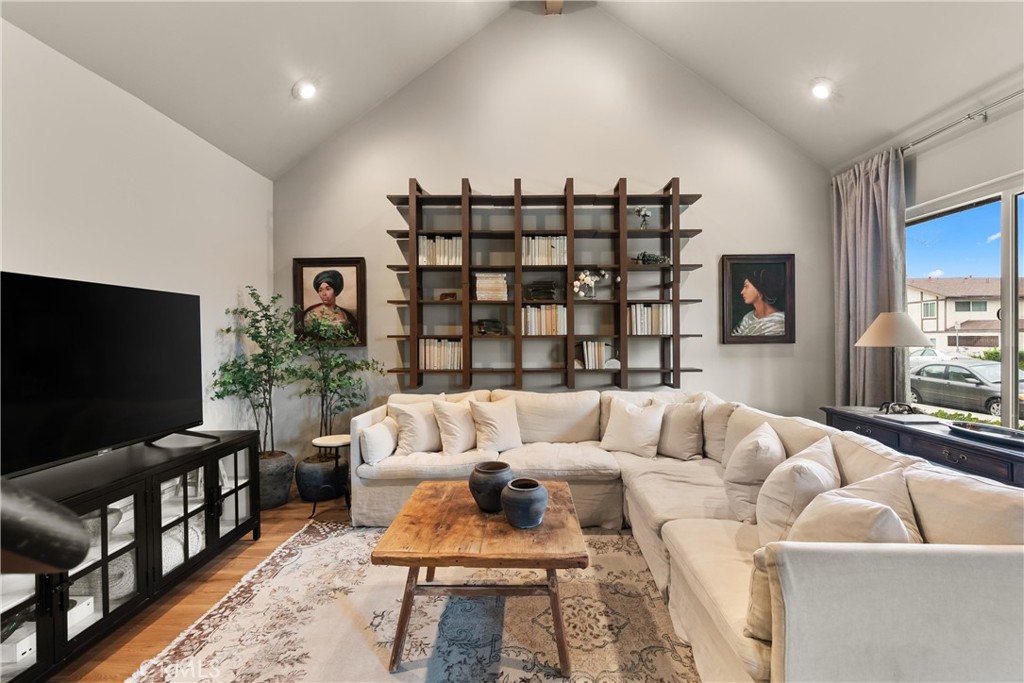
{"type": "Point", "coordinates": [983, 112]}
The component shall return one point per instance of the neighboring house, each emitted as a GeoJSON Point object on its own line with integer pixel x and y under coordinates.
{"type": "Point", "coordinates": [958, 313]}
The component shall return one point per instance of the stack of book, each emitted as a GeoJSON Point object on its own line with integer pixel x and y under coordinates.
{"type": "Point", "coordinates": [440, 354]}
{"type": "Point", "coordinates": [546, 319]}
{"type": "Point", "coordinates": [439, 251]}
{"type": "Point", "coordinates": [542, 289]}
{"type": "Point", "coordinates": [544, 251]}
{"type": "Point", "coordinates": [597, 354]}
{"type": "Point", "coordinates": [491, 286]}
{"type": "Point", "coordinates": [650, 319]}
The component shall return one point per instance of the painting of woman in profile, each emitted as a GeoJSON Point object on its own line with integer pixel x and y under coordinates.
{"type": "Point", "coordinates": [331, 291]}
{"type": "Point", "coordinates": [758, 299]}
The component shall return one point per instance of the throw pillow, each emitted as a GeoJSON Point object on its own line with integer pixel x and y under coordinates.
{"type": "Point", "coordinates": [417, 428]}
{"type": "Point", "coordinates": [633, 429]}
{"type": "Point", "coordinates": [497, 424]}
{"type": "Point", "coordinates": [455, 422]}
{"type": "Point", "coordinates": [716, 421]}
{"type": "Point", "coordinates": [754, 458]}
{"type": "Point", "coordinates": [682, 430]}
{"type": "Point", "coordinates": [835, 518]}
{"type": "Point", "coordinates": [792, 486]}
{"type": "Point", "coordinates": [759, 603]}
{"type": "Point", "coordinates": [890, 489]}
{"type": "Point", "coordinates": [379, 441]}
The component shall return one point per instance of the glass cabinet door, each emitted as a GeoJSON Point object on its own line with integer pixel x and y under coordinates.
{"type": "Point", "coordinates": [108, 577]}
{"type": "Point", "coordinates": [183, 506]}
{"type": "Point", "coordinates": [18, 649]}
{"type": "Point", "coordinates": [235, 491]}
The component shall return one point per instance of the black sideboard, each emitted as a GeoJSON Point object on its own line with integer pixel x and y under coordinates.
{"type": "Point", "coordinates": [932, 441]}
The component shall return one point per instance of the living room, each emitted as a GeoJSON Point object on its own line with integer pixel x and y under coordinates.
{"type": "Point", "coordinates": [104, 183]}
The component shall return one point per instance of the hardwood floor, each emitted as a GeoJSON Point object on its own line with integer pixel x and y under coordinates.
{"type": "Point", "coordinates": [149, 632]}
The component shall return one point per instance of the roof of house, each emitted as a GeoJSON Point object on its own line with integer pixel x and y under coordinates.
{"type": "Point", "coordinates": [961, 287]}
{"type": "Point", "coordinates": [991, 326]}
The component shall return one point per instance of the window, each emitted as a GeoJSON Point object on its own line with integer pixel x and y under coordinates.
{"type": "Point", "coordinates": [934, 371]}
{"type": "Point", "coordinates": [970, 306]}
{"type": "Point", "coordinates": [928, 310]}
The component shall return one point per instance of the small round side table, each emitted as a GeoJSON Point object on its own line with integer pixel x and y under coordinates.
{"type": "Point", "coordinates": [335, 442]}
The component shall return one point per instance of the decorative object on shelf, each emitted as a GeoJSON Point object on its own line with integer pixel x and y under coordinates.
{"type": "Point", "coordinates": [544, 290]}
{"type": "Point", "coordinates": [332, 289]}
{"type": "Point", "coordinates": [585, 283]}
{"type": "Point", "coordinates": [758, 299]}
{"type": "Point", "coordinates": [486, 483]}
{"type": "Point", "coordinates": [489, 327]}
{"type": "Point", "coordinates": [449, 296]}
{"type": "Point", "coordinates": [524, 502]}
{"type": "Point", "coordinates": [647, 258]}
{"type": "Point", "coordinates": [644, 213]}
{"type": "Point", "coordinates": [255, 375]}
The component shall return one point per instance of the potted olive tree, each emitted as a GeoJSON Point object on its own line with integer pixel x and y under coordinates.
{"type": "Point", "coordinates": [336, 379]}
{"type": "Point", "coordinates": [254, 374]}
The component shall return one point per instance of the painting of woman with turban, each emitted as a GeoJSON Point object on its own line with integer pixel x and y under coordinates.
{"type": "Point", "coordinates": [332, 290]}
{"type": "Point", "coordinates": [757, 299]}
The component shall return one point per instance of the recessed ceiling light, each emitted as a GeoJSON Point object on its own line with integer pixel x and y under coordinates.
{"type": "Point", "coordinates": [303, 89]}
{"type": "Point", "coordinates": [821, 88]}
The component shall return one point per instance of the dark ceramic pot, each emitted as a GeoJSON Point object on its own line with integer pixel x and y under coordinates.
{"type": "Point", "coordinates": [313, 479]}
{"type": "Point", "coordinates": [524, 502]}
{"type": "Point", "coordinates": [276, 471]}
{"type": "Point", "coordinates": [486, 482]}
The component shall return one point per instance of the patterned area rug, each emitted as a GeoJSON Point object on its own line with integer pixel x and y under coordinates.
{"type": "Point", "coordinates": [316, 610]}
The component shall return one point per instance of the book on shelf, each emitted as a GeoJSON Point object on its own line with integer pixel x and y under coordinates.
{"type": "Point", "coordinates": [491, 286]}
{"type": "Point", "coordinates": [545, 251]}
{"type": "Point", "coordinates": [547, 319]}
{"type": "Point", "coordinates": [654, 319]}
{"type": "Point", "coordinates": [440, 354]}
{"type": "Point", "coordinates": [439, 251]}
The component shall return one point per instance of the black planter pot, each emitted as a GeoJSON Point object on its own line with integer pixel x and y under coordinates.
{"type": "Point", "coordinates": [276, 471]}
{"type": "Point", "coordinates": [313, 479]}
{"type": "Point", "coordinates": [524, 502]}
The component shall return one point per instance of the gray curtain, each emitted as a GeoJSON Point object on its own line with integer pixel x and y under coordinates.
{"type": "Point", "coordinates": [868, 226]}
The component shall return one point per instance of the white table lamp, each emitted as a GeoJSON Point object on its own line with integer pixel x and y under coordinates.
{"type": "Point", "coordinates": [892, 330]}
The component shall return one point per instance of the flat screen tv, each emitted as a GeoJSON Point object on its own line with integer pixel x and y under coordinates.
{"type": "Point", "coordinates": [87, 367]}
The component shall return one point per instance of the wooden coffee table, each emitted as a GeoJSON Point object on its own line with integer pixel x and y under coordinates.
{"type": "Point", "coordinates": [441, 526]}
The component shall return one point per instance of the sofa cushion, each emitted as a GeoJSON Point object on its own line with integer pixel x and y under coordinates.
{"type": "Point", "coordinates": [497, 427]}
{"type": "Point", "coordinates": [456, 425]}
{"type": "Point", "coordinates": [888, 488]}
{"type": "Point", "coordinates": [859, 457]}
{"type": "Point", "coordinates": [845, 519]}
{"type": "Point", "coordinates": [753, 459]}
{"type": "Point", "coordinates": [715, 417]}
{"type": "Point", "coordinates": [682, 431]}
{"type": "Point", "coordinates": [639, 398]}
{"type": "Point", "coordinates": [716, 558]}
{"type": "Point", "coordinates": [953, 507]}
{"type": "Point", "coordinates": [796, 433]}
{"type": "Point", "coordinates": [759, 602]}
{"type": "Point", "coordinates": [379, 440]}
{"type": "Point", "coordinates": [666, 489]}
{"type": "Point", "coordinates": [417, 427]}
{"type": "Point", "coordinates": [420, 466]}
{"type": "Point", "coordinates": [566, 417]}
{"type": "Point", "coordinates": [405, 399]}
{"type": "Point", "coordinates": [791, 486]}
{"type": "Point", "coordinates": [633, 429]}
{"type": "Point", "coordinates": [585, 461]}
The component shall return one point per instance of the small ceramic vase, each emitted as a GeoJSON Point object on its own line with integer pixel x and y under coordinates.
{"type": "Point", "coordinates": [486, 483]}
{"type": "Point", "coordinates": [524, 502]}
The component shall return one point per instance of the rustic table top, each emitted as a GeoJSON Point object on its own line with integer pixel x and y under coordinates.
{"type": "Point", "coordinates": [441, 526]}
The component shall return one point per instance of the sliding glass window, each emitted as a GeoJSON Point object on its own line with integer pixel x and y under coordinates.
{"type": "Point", "coordinates": [964, 284]}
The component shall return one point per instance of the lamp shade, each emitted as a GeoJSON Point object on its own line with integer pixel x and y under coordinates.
{"type": "Point", "coordinates": [893, 329]}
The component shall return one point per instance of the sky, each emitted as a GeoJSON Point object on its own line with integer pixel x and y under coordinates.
{"type": "Point", "coordinates": [959, 244]}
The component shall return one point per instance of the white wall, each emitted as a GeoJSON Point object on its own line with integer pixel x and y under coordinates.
{"type": "Point", "coordinates": [99, 186]}
{"type": "Point", "coordinates": [579, 95]}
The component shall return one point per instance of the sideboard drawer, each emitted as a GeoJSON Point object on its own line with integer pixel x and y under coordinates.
{"type": "Point", "coordinates": [889, 437]}
{"type": "Point", "coordinates": [961, 459]}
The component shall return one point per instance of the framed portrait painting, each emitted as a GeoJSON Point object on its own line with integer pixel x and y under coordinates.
{"type": "Point", "coordinates": [758, 299]}
{"type": "Point", "coordinates": [333, 289]}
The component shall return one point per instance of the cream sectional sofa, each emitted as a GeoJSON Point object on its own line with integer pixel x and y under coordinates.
{"type": "Point", "coordinates": [949, 605]}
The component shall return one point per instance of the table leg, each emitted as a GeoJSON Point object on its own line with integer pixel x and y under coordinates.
{"type": "Point", "coordinates": [556, 620]}
{"type": "Point", "coordinates": [430, 574]}
{"type": "Point", "coordinates": [403, 618]}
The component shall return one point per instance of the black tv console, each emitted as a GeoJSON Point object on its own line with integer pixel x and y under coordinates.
{"type": "Point", "coordinates": [155, 514]}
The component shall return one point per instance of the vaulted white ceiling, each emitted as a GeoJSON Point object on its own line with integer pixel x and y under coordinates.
{"type": "Point", "coordinates": [225, 69]}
